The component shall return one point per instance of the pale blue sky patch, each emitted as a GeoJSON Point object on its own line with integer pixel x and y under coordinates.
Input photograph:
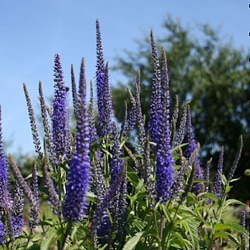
{"type": "Point", "coordinates": [32, 32]}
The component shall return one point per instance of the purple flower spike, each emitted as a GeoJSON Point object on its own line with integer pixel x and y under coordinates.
{"type": "Point", "coordinates": [100, 81]}
{"type": "Point", "coordinates": [2, 233]}
{"type": "Point", "coordinates": [236, 160]}
{"type": "Point", "coordinates": [24, 185]}
{"type": "Point", "coordinates": [164, 175]}
{"type": "Point", "coordinates": [17, 214]}
{"type": "Point", "coordinates": [116, 161]}
{"type": "Point", "coordinates": [33, 125]}
{"type": "Point", "coordinates": [207, 175]}
{"type": "Point", "coordinates": [101, 223]}
{"type": "Point", "coordinates": [103, 229]}
{"type": "Point", "coordinates": [141, 121]}
{"type": "Point", "coordinates": [5, 201]}
{"type": "Point", "coordinates": [91, 112]}
{"type": "Point", "coordinates": [74, 90]}
{"type": "Point", "coordinates": [46, 126]}
{"type": "Point", "coordinates": [218, 180]}
{"type": "Point", "coordinates": [192, 144]}
{"type": "Point", "coordinates": [165, 162]}
{"type": "Point", "coordinates": [190, 136]}
{"type": "Point", "coordinates": [77, 186]}
{"type": "Point", "coordinates": [181, 131]}
{"type": "Point", "coordinates": [108, 100]}
{"type": "Point", "coordinates": [52, 193]}
{"type": "Point", "coordinates": [156, 97]}
{"type": "Point", "coordinates": [60, 126]}
{"type": "Point", "coordinates": [243, 224]}
{"type": "Point", "coordinates": [104, 99]}
{"type": "Point", "coordinates": [78, 175]}
{"type": "Point", "coordinates": [34, 214]}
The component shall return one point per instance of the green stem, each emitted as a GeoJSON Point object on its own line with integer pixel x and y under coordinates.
{"type": "Point", "coordinates": [65, 235]}
{"type": "Point", "coordinates": [218, 216]}
{"type": "Point", "coordinates": [161, 231]}
{"type": "Point", "coordinates": [60, 184]}
{"type": "Point", "coordinates": [29, 237]}
{"type": "Point", "coordinates": [171, 228]}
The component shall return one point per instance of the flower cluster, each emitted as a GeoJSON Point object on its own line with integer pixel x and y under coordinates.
{"type": "Point", "coordinates": [104, 98]}
{"type": "Point", "coordinates": [60, 120]}
{"type": "Point", "coordinates": [192, 144]}
{"type": "Point", "coordinates": [11, 208]}
{"type": "Point", "coordinates": [164, 162]}
{"type": "Point", "coordinates": [106, 192]}
{"type": "Point", "coordinates": [79, 172]}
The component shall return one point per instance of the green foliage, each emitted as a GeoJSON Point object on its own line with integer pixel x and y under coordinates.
{"type": "Point", "coordinates": [196, 222]}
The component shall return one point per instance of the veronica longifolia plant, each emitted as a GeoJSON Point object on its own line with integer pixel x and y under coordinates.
{"type": "Point", "coordinates": [90, 189]}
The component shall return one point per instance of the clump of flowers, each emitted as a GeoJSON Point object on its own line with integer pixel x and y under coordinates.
{"type": "Point", "coordinates": [90, 189]}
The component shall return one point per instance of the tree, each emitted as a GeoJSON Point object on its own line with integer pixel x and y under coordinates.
{"type": "Point", "coordinates": [208, 71]}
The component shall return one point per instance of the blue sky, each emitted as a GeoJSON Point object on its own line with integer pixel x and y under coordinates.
{"type": "Point", "coordinates": [31, 32]}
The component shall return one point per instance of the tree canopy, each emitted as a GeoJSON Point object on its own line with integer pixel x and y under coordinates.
{"type": "Point", "coordinates": [208, 71]}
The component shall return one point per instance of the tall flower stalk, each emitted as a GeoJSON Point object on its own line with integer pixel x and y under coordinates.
{"type": "Point", "coordinates": [33, 125]}
{"type": "Point", "coordinates": [139, 114]}
{"type": "Point", "coordinates": [192, 144]}
{"type": "Point", "coordinates": [156, 96]}
{"type": "Point", "coordinates": [104, 99]}
{"type": "Point", "coordinates": [5, 199]}
{"type": "Point", "coordinates": [218, 177]}
{"type": "Point", "coordinates": [17, 213]}
{"type": "Point", "coordinates": [6, 203]}
{"type": "Point", "coordinates": [164, 158]}
{"type": "Point", "coordinates": [32, 197]}
{"type": "Point", "coordinates": [236, 160]}
{"type": "Point", "coordinates": [48, 140]}
{"type": "Point", "coordinates": [60, 122]}
{"type": "Point", "coordinates": [78, 176]}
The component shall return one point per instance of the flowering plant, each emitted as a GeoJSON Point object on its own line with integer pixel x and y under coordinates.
{"type": "Point", "coordinates": [90, 190]}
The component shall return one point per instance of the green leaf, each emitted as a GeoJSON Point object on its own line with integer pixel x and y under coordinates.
{"type": "Point", "coordinates": [132, 242]}
{"type": "Point", "coordinates": [210, 196]}
{"type": "Point", "coordinates": [152, 232]}
{"type": "Point", "coordinates": [233, 202]}
{"type": "Point", "coordinates": [139, 224]}
{"type": "Point", "coordinates": [191, 229]}
{"type": "Point", "coordinates": [235, 179]}
{"type": "Point", "coordinates": [46, 222]}
{"type": "Point", "coordinates": [140, 186]}
{"type": "Point", "coordinates": [34, 247]}
{"type": "Point", "coordinates": [187, 210]}
{"type": "Point", "coordinates": [179, 146]}
{"type": "Point", "coordinates": [46, 243]}
{"type": "Point", "coordinates": [226, 235]}
{"type": "Point", "coordinates": [179, 242]}
{"type": "Point", "coordinates": [167, 210]}
{"type": "Point", "coordinates": [224, 226]}
{"type": "Point", "coordinates": [191, 197]}
{"type": "Point", "coordinates": [228, 188]}
{"type": "Point", "coordinates": [224, 179]}
{"type": "Point", "coordinates": [133, 178]}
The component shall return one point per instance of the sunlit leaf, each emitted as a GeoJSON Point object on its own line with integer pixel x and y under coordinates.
{"type": "Point", "coordinates": [132, 242]}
